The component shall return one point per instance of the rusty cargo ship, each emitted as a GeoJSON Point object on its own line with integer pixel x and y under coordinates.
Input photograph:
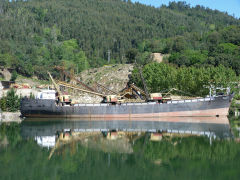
{"type": "Point", "coordinates": [201, 107]}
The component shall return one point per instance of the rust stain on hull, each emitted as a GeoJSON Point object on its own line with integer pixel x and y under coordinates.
{"type": "Point", "coordinates": [210, 119]}
{"type": "Point", "coordinates": [198, 113]}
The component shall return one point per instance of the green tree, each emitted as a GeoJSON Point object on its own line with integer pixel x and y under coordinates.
{"type": "Point", "coordinates": [189, 58]}
{"type": "Point", "coordinates": [14, 76]}
{"type": "Point", "coordinates": [131, 55]}
{"type": "Point", "coordinates": [179, 44]}
{"type": "Point", "coordinates": [7, 60]}
{"type": "Point", "coordinates": [192, 80]}
{"type": "Point", "coordinates": [12, 101]}
{"type": "Point", "coordinates": [45, 33]}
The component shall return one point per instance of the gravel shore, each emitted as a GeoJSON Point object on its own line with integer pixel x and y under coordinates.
{"type": "Point", "coordinates": [10, 117]}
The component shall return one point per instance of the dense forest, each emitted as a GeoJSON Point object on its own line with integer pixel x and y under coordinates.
{"type": "Point", "coordinates": [36, 35]}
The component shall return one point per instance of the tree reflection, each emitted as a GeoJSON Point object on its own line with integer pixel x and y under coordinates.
{"type": "Point", "coordinates": [170, 158]}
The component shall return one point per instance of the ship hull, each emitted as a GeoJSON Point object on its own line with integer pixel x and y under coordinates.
{"type": "Point", "coordinates": [38, 108]}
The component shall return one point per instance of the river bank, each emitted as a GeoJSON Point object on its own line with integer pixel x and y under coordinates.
{"type": "Point", "coordinates": [10, 117]}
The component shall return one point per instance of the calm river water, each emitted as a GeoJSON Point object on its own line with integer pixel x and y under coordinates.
{"type": "Point", "coordinates": [35, 150]}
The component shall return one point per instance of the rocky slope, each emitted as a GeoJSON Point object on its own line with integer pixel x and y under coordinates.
{"type": "Point", "coordinates": [114, 77]}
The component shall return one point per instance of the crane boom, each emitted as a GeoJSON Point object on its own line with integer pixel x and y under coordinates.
{"type": "Point", "coordinates": [55, 84]}
{"type": "Point", "coordinates": [78, 88]}
{"type": "Point", "coordinates": [137, 89]}
{"type": "Point", "coordinates": [73, 77]}
{"type": "Point", "coordinates": [105, 88]}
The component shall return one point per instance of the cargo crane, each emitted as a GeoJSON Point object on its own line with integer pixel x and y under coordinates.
{"type": "Point", "coordinates": [136, 94]}
{"type": "Point", "coordinates": [75, 87]}
{"type": "Point", "coordinates": [106, 98]}
{"type": "Point", "coordinates": [65, 99]}
{"type": "Point", "coordinates": [61, 98]}
{"type": "Point", "coordinates": [72, 77]}
{"type": "Point", "coordinates": [133, 86]}
{"type": "Point", "coordinates": [104, 88]}
{"type": "Point", "coordinates": [127, 95]}
{"type": "Point", "coordinates": [133, 92]}
{"type": "Point", "coordinates": [183, 95]}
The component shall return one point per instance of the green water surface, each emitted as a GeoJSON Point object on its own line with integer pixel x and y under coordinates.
{"type": "Point", "coordinates": [171, 158]}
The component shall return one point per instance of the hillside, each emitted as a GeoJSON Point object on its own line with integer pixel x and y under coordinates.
{"type": "Point", "coordinates": [113, 77]}
{"type": "Point", "coordinates": [36, 35]}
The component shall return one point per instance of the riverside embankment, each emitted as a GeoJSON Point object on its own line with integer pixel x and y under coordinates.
{"type": "Point", "coordinates": [10, 117]}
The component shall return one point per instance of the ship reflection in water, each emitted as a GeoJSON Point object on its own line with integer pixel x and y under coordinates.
{"type": "Point", "coordinates": [47, 133]}
{"type": "Point", "coordinates": [130, 149]}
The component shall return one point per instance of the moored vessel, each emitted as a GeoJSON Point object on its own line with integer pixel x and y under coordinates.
{"type": "Point", "coordinates": [200, 107]}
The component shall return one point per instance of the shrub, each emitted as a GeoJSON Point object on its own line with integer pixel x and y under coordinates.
{"type": "Point", "coordinates": [14, 76]}
{"type": "Point", "coordinates": [11, 102]}
{"type": "Point", "coordinates": [3, 105]}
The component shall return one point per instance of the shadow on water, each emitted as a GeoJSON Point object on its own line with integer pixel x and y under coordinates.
{"type": "Point", "coordinates": [106, 154]}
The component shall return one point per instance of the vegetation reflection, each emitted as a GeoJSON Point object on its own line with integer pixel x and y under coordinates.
{"type": "Point", "coordinates": [172, 157]}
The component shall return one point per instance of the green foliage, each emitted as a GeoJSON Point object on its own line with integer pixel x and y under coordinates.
{"type": "Point", "coordinates": [36, 35]}
{"type": "Point", "coordinates": [197, 148]}
{"type": "Point", "coordinates": [237, 96]}
{"type": "Point", "coordinates": [11, 102]}
{"type": "Point", "coordinates": [144, 58]}
{"type": "Point", "coordinates": [7, 60]}
{"type": "Point", "coordinates": [3, 105]}
{"type": "Point", "coordinates": [131, 55]}
{"type": "Point", "coordinates": [12, 132]}
{"type": "Point", "coordinates": [196, 81]}
{"type": "Point", "coordinates": [189, 58]}
{"type": "Point", "coordinates": [72, 56]}
{"type": "Point", "coordinates": [14, 76]}
{"type": "Point", "coordinates": [227, 48]}
{"type": "Point", "coordinates": [213, 48]}
{"type": "Point", "coordinates": [179, 44]}
{"type": "Point", "coordinates": [81, 61]}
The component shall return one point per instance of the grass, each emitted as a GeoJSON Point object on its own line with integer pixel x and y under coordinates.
{"type": "Point", "coordinates": [21, 78]}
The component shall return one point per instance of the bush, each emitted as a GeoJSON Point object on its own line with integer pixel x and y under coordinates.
{"type": "Point", "coordinates": [11, 102]}
{"type": "Point", "coordinates": [3, 106]}
{"type": "Point", "coordinates": [14, 76]}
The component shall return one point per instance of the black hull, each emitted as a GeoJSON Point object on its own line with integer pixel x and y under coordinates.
{"type": "Point", "coordinates": [188, 108]}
